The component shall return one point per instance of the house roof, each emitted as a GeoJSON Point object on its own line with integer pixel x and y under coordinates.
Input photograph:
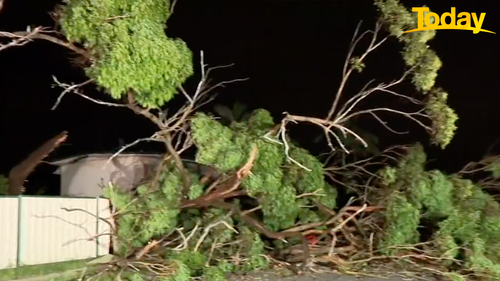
{"type": "Point", "coordinates": [73, 159]}
{"type": "Point", "coordinates": [191, 165]}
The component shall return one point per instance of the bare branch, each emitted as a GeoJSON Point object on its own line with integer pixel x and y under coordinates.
{"type": "Point", "coordinates": [17, 40]}
{"type": "Point", "coordinates": [207, 230]}
{"type": "Point", "coordinates": [172, 6]}
{"type": "Point", "coordinates": [22, 37]}
{"type": "Point", "coordinates": [347, 74]}
{"type": "Point", "coordinates": [405, 114]}
{"type": "Point", "coordinates": [76, 90]}
{"type": "Point", "coordinates": [67, 89]}
{"type": "Point", "coordinates": [337, 120]}
{"type": "Point", "coordinates": [384, 123]}
{"type": "Point", "coordinates": [365, 93]}
{"type": "Point", "coordinates": [127, 146]}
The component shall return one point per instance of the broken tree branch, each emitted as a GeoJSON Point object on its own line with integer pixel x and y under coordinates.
{"type": "Point", "coordinates": [19, 174]}
{"type": "Point", "coordinates": [336, 121]}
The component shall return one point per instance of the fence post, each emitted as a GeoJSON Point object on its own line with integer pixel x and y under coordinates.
{"type": "Point", "coordinates": [20, 229]}
{"type": "Point", "coordinates": [97, 228]}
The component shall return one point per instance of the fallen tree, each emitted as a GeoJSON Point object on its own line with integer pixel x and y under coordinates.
{"type": "Point", "coordinates": [274, 203]}
{"type": "Point", "coordinates": [463, 217]}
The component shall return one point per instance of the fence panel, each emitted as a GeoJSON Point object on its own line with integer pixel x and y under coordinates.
{"type": "Point", "coordinates": [53, 229]}
{"type": "Point", "coordinates": [103, 227]}
{"type": "Point", "coordinates": [9, 210]}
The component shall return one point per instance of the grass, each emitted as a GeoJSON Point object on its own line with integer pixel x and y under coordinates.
{"type": "Point", "coordinates": [28, 271]}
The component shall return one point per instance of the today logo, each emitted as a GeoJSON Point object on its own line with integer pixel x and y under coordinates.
{"type": "Point", "coordinates": [439, 22]}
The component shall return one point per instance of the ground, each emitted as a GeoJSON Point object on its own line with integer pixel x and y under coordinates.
{"type": "Point", "coordinates": [72, 270]}
{"type": "Point", "coordinates": [261, 276]}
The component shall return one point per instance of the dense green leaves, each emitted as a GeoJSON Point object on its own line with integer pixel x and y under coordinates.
{"type": "Point", "coordinates": [275, 182]}
{"type": "Point", "coordinates": [153, 214]}
{"type": "Point", "coordinates": [130, 52]}
{"type": "Point", "coordinates": [466, 217]}
{"type": "Point", "coordinates": [130, 49]}
{"type": "Point", "coordinates": [442, 116]}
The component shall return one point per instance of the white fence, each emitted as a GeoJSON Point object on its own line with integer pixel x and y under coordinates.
{"type": "Point", "coordinates": [38, 230]}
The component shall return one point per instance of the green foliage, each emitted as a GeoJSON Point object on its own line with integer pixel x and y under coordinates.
{"type": "Point", "coordinates": [196, 265]}
{"type": "Point", "coordinates": [357, 63]}
{"type": "Point", "coordinates": [402, 220]}
{"type": "Point", "coordinates": [493, 166]}
{"type": "Point", "coordinates": [416, 51]}
{"type": "Point", "coordinates": [442, 116]}
{"type": "Point", "coordinates": [130, 52]}
{"type": "Point", "coordinates": [182, 273]}
{"type": "Point", "coordinates": [387, 175]}
{"type": "Point", "coordinates": [195, 261]}
{"type": "Point", "coordinates": [254, 246]}
{"type": "Point", "coordinates": [425, 64]}
{"type": "Point", "coordinates": [130, 49]}
{"type": "Point", "coordinates": [465, 216]}
{"type": "Point", "coordinates": [215, 274]}
{"type": "Point", "coordinates": [274, 182]}
{"type": "Point", "coordinates": [146, 216]}
{"type": "Point", "coordinates": [480, 262]}
{"type": "Point", "coordinates": [154, 214]}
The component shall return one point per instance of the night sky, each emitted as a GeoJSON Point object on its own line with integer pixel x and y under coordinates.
{"type": "Point", "coordinates": [291, 51]}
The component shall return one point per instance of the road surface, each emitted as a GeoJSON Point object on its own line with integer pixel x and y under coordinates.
{"type": "Point", "coordinates": [261, 276]}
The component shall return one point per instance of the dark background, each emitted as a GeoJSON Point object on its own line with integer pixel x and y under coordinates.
{"type": "Point", "coordinates": [293, 53]}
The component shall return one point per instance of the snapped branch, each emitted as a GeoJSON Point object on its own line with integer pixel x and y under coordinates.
{"type": "Point", "coordinates": [336, 120]}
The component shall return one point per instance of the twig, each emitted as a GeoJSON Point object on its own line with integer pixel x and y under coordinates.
{"type": "Point", "coordinates": [172, 7]}
{"type": "Point", "coordinates": [147, 249]}
{"type": "Point", "coordinates": [91, 238]}
{"type": "Point", "coordinates": [284, 142]}
{"type": "Point", "coordinates": [195, 229]}
{"type": "Point", "coordinates": [212, 249]}
{"type": "Point", "coordinates": [88, 213]}
{"type": "Point", "coordinates": [338, 227]}
{"type": "Point", "coordinates": [184, 240]}
{"type": "Point", "coordinates": [75, 90]}
{"type": "Point", "coordinates": [207, 230]}
{"type": "Point", "coordinates": [23, 37]}
{"type": "Point", "coordinates": [67, 89]}
{"type": "Point", "coordinates": [346, 74]}
{"type": "Point", "coordinates": [125, 147]}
